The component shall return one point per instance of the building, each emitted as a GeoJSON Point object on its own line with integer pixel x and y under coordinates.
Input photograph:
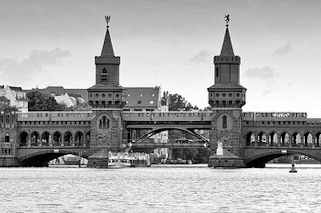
{"type": "Point", "coordinates": [16, 96]}
{"type": "Point", "coordinates": [136, 98]}
{"type": "Point", "coordinates": [4, 102]}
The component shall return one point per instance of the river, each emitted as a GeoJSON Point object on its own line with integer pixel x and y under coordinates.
{"type": "Point", "coordinates": [171, 189]}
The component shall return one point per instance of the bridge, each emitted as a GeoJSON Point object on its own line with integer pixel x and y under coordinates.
{"type": "Point", "coordinates": [43, 136]}
{"type": "Point", "coordinates": [249, 139]}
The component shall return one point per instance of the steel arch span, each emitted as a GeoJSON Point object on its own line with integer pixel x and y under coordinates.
{"type": "Point", "coordinates": [161, 129]}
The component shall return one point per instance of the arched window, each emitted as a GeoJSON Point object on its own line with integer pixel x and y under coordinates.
{"type": "Point", "coordinates": [104, 74]}
{"type": "Point", "coordinates": [100, 124]}
{"type": "Point", "coordinates": [7, 138]}
{"type": "Point", "coordinates": [103, 122]}
{"type": "Point", "coordinates": [224, 122]}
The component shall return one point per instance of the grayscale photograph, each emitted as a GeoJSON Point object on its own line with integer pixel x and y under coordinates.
{"type": "Point", "coordinates": [153, 106]}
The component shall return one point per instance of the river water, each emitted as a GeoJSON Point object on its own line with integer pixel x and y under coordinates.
{"type": "Point", "coordinates": [159, 190]}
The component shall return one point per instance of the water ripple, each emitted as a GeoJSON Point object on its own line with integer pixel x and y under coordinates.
{"type": "Point", "coordinates": [159, 190]}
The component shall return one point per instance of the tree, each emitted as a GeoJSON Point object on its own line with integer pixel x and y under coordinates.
{"type": "Point", "coordinates": [38, 101]}
{"type": "Point", "coordinates": [176, 102]}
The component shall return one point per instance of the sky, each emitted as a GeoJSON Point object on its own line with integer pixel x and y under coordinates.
{"type": "Point", "coordinates": [169, 44]}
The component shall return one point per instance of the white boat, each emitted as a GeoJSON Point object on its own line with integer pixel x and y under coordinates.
{"type": "Point", "coordinates": [119, 160]}
{"type": "Point", "coordinates": [118, 163]}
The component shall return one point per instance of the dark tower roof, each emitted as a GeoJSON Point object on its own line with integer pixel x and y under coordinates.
{"type": "Point", "coordinates": [108, 49]}
{"type": "Point", "coordinates": [227, 48]}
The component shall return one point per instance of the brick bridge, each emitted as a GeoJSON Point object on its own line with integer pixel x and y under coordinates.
{"type": "Point", "coordinates": [43, 136]}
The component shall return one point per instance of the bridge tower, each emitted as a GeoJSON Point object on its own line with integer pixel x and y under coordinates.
{"type": "Point", "coordinates": [8, 137]}
{"type": "Point", "coordinates": [226, 98]}
{"type": "Point", "coordinates": [106, 100]}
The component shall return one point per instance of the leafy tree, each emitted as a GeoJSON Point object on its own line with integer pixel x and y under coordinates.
{"type": "Point", "coordinates": [38, 101]}
{"type": "Point", "coordinates": [176, 102]}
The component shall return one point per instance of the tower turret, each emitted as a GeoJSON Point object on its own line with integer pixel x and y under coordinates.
{"type": "Point", "coordinates": [227, 91]}
{"type": "Point", "coordinates": [106, 93]}
{"type": "Point", "coordinates": [106, 99]}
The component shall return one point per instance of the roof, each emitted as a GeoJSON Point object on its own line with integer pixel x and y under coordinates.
{"type": "Point", "coordinates": [15, 88]}
{"type": "Point", "coordinates": [227, 48]}
{"type": "Point", "coordinates": [108, 49]}
{"type": "Point", "coordinates": [142, 97]}
{"type": "Point", "coordinates": [12, 88]}
{"type": "Point", "coordinates": [4, 99]}
{"type": "Point", "coordinates": [100, 87]}
{"type": "Point", "coordinates": [226, 86]}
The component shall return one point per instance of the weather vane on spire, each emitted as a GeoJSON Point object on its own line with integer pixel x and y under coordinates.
{"type": "Point", "coordinates": [107, 18]}
{"type": "Point", "coordinates": [227, 19]}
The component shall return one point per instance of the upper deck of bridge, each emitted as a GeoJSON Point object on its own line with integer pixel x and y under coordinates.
{"type": "Point", "coordinates": [179, 116]}
{"type": "Point", "coordinates": [168, 116]}
{"type": "Point", "coordinates": [55, 116]}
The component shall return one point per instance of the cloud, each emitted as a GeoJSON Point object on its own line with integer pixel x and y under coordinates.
{"type": "Point", "coordinates": [283, 50]}
{"type": "Point", "coordinates": [38, 60]}
{"type": "Point", "coordinates": [264, 73]}
{"type": "Point", "coordinates": [204, 56]}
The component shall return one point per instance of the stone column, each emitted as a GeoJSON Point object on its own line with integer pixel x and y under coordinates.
{"type": "Point", "coordinates": [61, 142]}
{"type": "Point", "coordinates": [170, 153]}
{"type": "Point", "coordinates": [29, 140]}
{"type": "Point", "coordinates": [50, 140]}
{"type": "Point", "coordinates": [302, 140]}
{"type": "Point", "coordinates": [290, 140]}
{"type": "Point", "coordinates": [72, 140]}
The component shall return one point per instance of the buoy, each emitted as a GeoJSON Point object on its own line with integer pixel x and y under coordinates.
{"type": "Point", "coordinates": [293, 170]}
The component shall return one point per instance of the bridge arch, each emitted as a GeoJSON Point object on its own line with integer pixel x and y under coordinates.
{"type": "Point", "coordinates": [45, 136]}
{"type": "Point", "coordinates": [43, 156]}
{"type": "Point", "coordinates": [56, 138]}
{"type": "Point", "coordinates": [285, 139]}
{"type": "Point", "coordinates": [262, 138]}
{"type": "Point", "coordinates": [161, 129]}
{"type": "Point", "coordinates": [250, 138]}
{"type": "Point", "coordinates": [273, 138]}
{"type": "Point", "coordinates": [260, 159]}
{"type": "Point", "coordinates": [23, 138]}
{"type": "Point", "coordinates": [35, 138]}
{"type": "Point", "coordinates": [296, 139]}
{"type": "Point", "coordinates": [79, 138]}
{"type": "Point", "coordinates": [68, 138]}
{"type": "Point", "coordinates": [308, 139]}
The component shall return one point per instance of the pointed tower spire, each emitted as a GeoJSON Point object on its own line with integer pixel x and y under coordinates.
{"type": "Point", "coordinates": [227, 76]}
{"type": "Point", "coordinates": [108, 49]}
{"type": "Point", "coordinates": [227, 48]}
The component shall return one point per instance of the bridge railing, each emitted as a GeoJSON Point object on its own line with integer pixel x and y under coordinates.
{"type": "Point", "coordinates": [167, 116]}
{"type": "Point", "coordinates": [316, 121]}
{"type": "Point", "coordinates": [55, 116]}
{"type": "Point", "coordinates": [275, 116]}
{"type": "Point", "coordinates": [283, 145]}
